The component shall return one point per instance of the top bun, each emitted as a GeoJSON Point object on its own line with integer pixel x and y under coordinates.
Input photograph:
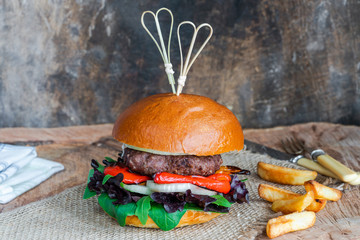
{"type": "Point", "coordinates": [184, 124]}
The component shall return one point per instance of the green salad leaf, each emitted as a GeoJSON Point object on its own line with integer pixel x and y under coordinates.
{"type": "Point", "coordinates": [221, 201]}
{"type": "Point", "coordinates": [119, 212]}
{"type": "Point", "coordinates": [110, 160]}
{"type": "Point", "coordinates": [88, 193]}
{"type": "Point", "coordinates": [106, 178]}
{"type": "Point", "coordinates": [101, 167]}
{"type": "Point", "coordinates": [122, 211]}
{"type": "Point", "coordinates": [107, 204]}
{"type": "Point", "coordinates": [143, 207]}
{"type": "Point", "coordinates": [193, 206]}
{"type": "Point", "coordinates": [165, 221]}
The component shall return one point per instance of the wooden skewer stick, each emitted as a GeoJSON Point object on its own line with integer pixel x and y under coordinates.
{"type": "Point", "coordinates": [186, 67]}
{"type": "Point", "coordinates": [164, 54]}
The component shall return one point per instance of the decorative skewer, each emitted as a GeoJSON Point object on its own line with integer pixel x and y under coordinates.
{"type": "Point", "coordinates": [186, 67]}
{"type": "Point", "coordinates": [164, 54]}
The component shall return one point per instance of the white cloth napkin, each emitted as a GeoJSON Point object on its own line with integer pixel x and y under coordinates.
{"type": "Point", "coordinates": [21, 170]}
{"type": "Point", "coordinates": [13, 158]}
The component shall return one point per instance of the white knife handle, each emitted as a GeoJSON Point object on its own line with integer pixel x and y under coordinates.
{"type": "Point", "coordinates": [356, 181]}
{"type": "Point", "coordinates": [310, 164]}
{"type": "Point", "coordinates": [339, 169]}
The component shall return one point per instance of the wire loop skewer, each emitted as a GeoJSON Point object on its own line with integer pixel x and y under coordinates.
{"type": "Point", "coordinates": [184, 69]}
{"type": "Point", "coordinates": [164, 54]}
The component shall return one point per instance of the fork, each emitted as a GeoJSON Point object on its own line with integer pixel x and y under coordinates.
{"type": "Point", "coordinates": [295, 146]}
{"type": "Point", "coordinates": [326, 164]}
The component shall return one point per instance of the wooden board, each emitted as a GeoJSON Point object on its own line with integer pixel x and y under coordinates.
{"type": "Point", "coordinates": [338, 220]}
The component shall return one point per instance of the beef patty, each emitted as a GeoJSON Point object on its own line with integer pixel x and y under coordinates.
{"type": "Point", "coordinates": [148, 164]}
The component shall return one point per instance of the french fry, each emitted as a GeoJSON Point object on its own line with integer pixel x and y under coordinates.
{"type": "Point", "coordinates": [316, 205]}
{"type": "Point", "coordinates": [290, 223]}
{"type": "Point", "coordinates": [297, 204]}
{"type": "Point", "coordinates": [284, 175]}
{"type": "Point", "coordinates": [272, 194]}
{"type": "Point", "coordinates": [322, 191]}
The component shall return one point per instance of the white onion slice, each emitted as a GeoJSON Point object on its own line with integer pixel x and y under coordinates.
{"type": "Point", "coordinates": [138, 189]}
{"type": "Point", "coordinates": [178, 187]}
{"type": "Point", "coordinates": [171, 187]}
{"type": "Point", "coordinates": [201, 191]}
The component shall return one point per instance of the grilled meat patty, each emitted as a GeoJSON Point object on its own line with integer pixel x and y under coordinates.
{"type": "Point", "coordinates": [148, 164]}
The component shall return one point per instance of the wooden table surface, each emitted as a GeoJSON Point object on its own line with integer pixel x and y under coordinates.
{"type": "Point", "coordinates": [74, 148]}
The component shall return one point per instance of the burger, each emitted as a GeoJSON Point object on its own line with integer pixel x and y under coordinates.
{"type": "Point", "coordinates": [169, 173]}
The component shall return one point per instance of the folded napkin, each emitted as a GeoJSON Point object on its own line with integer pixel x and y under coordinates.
{"type": "Point", "coordinates": [13, 158]}
{"type": "Point", "coordinates": [21, 170]}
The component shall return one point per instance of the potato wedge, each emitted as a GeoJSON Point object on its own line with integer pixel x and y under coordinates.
{"type": "Point", "coordinates": [297, 204]}
{"type": "Point", "coordinates": [316, 205]}
{"type": "Point", "coordinates": [272, 194]}
{"type": "Point", "coordinates": [322, 191]}
{"type": "Point", "coordinates": [290, 223]}
{"type": "Point", "coordinates": [284, 175]}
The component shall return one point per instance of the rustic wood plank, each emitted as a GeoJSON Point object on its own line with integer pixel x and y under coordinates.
{"type": "Point", "coordinates": [272, 62]}
{"type": "Point", "coordinates": [339, 220]}
{"type": "Point", "coordinates": [61, 135]}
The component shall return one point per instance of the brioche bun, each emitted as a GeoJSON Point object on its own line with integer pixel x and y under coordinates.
{"type": "Point", "coordinates": [189, 218]}
{"type": "Point", "coordinates": [184, 124]}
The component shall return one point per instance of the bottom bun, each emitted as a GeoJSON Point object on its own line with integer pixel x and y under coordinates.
{"type": "Point", "coordinates": [189, 218]}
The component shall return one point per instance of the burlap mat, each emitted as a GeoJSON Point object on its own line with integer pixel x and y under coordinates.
{"type": "Point", "coordinates": [68, 216]}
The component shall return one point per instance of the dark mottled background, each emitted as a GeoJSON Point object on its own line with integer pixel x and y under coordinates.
{"type": "Point", "coordinates": [72, 62]}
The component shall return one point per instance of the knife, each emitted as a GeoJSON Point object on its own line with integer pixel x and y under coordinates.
{"type": "Point", "coordinates": [339, 169]}
{"type": "Point", "coordinates": [299, 159]}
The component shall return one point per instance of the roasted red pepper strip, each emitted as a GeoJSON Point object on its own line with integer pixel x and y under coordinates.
{"type": "Point", "coordinates": [220, 177]}
{"type": "Point", "coordinates": [129, 178]}
{"type": "Point", "coordinates": [207, 182]}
